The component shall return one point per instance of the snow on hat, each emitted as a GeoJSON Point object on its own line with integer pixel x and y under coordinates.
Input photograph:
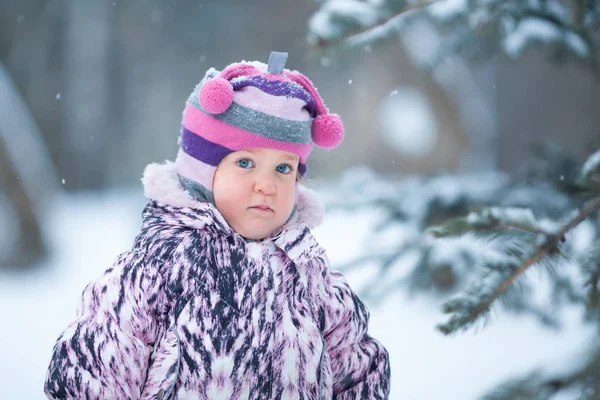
{"type": "Point", "coordinates": [250, 105]}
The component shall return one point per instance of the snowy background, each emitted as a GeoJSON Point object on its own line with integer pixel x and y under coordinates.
{"type": "Point", "coordinates": [91, 92]}
{"type": "Point", "coordinates": [90, 229]}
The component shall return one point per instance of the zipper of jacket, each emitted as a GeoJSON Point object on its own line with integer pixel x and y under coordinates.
{"type": "Point", "coordinates": [322, 364]}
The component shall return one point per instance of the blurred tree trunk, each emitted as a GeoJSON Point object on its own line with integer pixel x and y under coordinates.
{"type": "Point", "coordinates": [31, 43]}
{"type": "Point", "coordinates": [27, 176]}
{"type": "Point", "coordinates": [31, 47]}
{"type": "Point", "coordinates": [88, 128]}
{"type": "Point", "coordinates": [30, 245]}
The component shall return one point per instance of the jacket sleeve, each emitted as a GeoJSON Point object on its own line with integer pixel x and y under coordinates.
{"type": "Point", "coordinates": [103, 354]}
{"type": "Point", "coordinates": [360, 364]}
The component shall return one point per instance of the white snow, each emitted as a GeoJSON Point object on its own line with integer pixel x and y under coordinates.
{"type": "Point", "coordinates": [576, 44]}
{"type": "Point", "coordinates": [527, 30]}
{"type": "Point", "coordinates": [538, 29]}
{"type": "Point", "coordinates": [447, 9]}
{"type": "Point", "coordinates": [355, 12]}
{"type": "Point", "coordinates": [407, 122]}
{"type": "Point", "coordinates": [514, 215]}
{"type": "Point", "coordinates": [592, 165]}
{"type": "Point", "coordinates": [89, 230]}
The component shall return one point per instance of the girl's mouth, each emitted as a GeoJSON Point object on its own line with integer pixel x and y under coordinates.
{"type": "Point", "coordinates": [262, 207]}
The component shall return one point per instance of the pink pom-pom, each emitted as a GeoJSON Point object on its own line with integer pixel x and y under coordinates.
{"type": "Point", "coordinates": [327, 131]}
{"type": "Point", "coordinates": [216, 95]}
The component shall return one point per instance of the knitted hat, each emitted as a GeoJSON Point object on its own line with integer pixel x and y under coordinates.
{"type": "Point", "coordinates": [250, 105]}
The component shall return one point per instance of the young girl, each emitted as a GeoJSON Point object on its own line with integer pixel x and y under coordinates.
{"type": "Point", "coordinates": [225, 293]}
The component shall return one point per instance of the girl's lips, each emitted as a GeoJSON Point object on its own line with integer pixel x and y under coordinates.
{"type": "Point", "coordinates": [262, 208]}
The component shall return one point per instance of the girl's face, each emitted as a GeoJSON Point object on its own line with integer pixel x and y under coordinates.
{"type": "Point", "coordinates": [255, 190]}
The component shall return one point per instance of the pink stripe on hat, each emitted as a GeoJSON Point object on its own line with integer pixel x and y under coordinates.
{"type": "Point", "coordinates": [234, 138]}
{"type": "Point", "coordinates": [288, 108]}
{"type": "Point", "coordinates": [195, 170]}
{"type": "Point", "coordinates": [239, 69]}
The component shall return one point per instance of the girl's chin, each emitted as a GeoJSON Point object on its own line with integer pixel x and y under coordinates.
{"type": "Point", "coordinates": [255, 233]}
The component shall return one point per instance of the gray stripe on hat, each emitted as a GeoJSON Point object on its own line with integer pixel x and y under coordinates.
{"type": "Point", "coordinates": [260, 123]}
{"type": "Point", "coordinates": [196, 190]}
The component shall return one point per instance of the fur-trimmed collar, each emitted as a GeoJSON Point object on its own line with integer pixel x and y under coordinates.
{"type": "Point", "coordinates": [161, 184]}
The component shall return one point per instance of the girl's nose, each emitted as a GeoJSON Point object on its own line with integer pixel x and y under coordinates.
{"type": "Point", "coordinates": [265, 185]}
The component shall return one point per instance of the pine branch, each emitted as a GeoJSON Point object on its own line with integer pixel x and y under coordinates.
{"type": "Point", "coordinates": [320, 42]}
{"type": "Point", "coordinates": [493, 219]}
{"type": "Point", "coordinates": [468, 309]}
{"type": "Point", "coordinates": [590, 173]}
{"type": "Point", "coordinates": [578, 30]}
{"type": "Point", "coordinates": [469, 30]}
{"type": "Point", "coordinates": [591, 267]}
{"type": "Point", "coordinates": [448, 269]}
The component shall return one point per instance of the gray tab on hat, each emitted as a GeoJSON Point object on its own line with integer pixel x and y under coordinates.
{"type": "Point", "coordinates": [277, 61]}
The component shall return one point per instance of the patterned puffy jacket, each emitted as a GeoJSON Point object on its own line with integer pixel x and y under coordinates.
{"type": "Point", "coordinates": [193, 311]}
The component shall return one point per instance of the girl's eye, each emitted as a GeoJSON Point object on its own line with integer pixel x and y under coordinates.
{"type": "Point", "coordinates": [245, 163]}
{"type": "Point", "coordinates": [284, 168]}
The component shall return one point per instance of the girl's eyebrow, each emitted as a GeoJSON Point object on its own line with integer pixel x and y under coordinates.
{"type": "Point", "coordinates": [284, 156]}
{"type": "Point", "coordinates": [288, 157]}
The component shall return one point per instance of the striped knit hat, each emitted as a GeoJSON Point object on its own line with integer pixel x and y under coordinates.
{"type": "Point", "coordinates": [250, 105]}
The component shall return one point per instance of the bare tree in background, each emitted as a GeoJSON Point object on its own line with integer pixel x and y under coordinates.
{"type": "Point", "coordinates": [27, 176]}
{"type": "Point", "coordinates": [91, 128]}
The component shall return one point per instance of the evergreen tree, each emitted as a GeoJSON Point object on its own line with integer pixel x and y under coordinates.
{"type": "Point", "coordinates": [526, 242]}
{"type": "Point", "coordinates": [475, 28]}
{"type": "Point", "coordinates": [476, 236]}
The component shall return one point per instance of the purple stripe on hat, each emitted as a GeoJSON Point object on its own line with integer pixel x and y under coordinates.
{"type": "Point", "coordinates": [302, 169]}
{"type": "Point", "coordinates": [209, 152]}
{"type": "Point", "coordinates": [202, 149]}
{"type": "Point", "coordinates": [277, 88]}
{"type": "Point", "coordinates": [195, 170]}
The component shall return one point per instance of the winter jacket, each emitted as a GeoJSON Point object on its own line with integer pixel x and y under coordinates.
{"type": "Point", "coordinates": [194, 311]}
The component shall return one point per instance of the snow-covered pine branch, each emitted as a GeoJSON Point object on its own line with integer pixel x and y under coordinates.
{"type": "Point", "coordinates": [501, 271]}
{"type": "Point", "coordinates": [493, 220]}
{"type": "Point", "coordinates": [539, 243]}
{"type": "Point", "coordinates": [520, 219]}
{"type": "Point", "coordinates": [476, 302]}
{"type": "Point", "coordinates": [338, 21]}
{"type": "Point", "coordinates": [590, 173]}
{"type": "Point", "coordinates": [509, 25]}
{"type": "Point", "coordinates": [406, 259]}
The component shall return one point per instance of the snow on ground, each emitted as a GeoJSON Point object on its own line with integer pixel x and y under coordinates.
{"type": "Point", "coordinates": [89, 230]}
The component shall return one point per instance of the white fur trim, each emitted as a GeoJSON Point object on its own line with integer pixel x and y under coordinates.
{"type": "Point", "coordinates": [161, 184]}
